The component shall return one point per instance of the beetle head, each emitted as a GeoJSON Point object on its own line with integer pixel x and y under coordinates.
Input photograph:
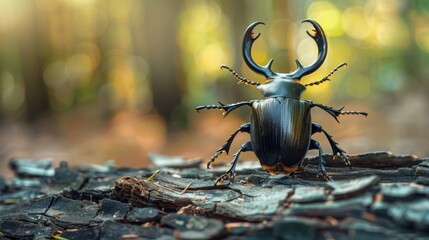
{"type": "Point", "coordinates": [284, 84]}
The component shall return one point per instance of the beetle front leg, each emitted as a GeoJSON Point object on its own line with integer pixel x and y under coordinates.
{"type": "Point", "coordinates": [321, 171]}
{"type": "Point", "coordinates": [336, 150]}
{"type": "Point", "coordinates": [231, 171]}
{"type": "Point", "coordinates": [225, 148]}
{"type": "Point", "coordinates": [226, 108]}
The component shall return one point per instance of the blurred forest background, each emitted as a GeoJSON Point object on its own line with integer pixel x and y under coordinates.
{"type": "Point", "coordinates": [87, 81]}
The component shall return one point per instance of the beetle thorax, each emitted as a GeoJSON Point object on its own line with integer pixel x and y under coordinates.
{"type": "Point", "coordinates": [281, 87]}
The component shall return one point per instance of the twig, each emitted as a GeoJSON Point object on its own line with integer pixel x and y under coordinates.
{"type": "Point", "coordinates": [186, 188]}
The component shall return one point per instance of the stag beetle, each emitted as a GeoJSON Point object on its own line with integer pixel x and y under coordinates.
{"type": "Point", "coordinates": [280, 127]}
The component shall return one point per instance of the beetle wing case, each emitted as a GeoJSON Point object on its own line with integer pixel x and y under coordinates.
{"type": "Point", "coordinates": [280, 131]}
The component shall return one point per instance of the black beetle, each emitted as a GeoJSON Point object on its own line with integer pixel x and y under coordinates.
{"type": "Point", "coordinates": [280, 127]}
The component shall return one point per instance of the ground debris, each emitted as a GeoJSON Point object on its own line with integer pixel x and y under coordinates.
{"type": "Point", "coordinates": [383, 196]}
{"type": "Point", "coordinates": [174, 162]}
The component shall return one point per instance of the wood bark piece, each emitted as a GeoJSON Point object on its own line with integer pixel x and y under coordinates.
{"type": "Point", "coordinates": [28, 167]}
{"type": "Point", "coordinates": [111, 209]}
{"type": "Point", "coordinates": [17, 229]}
{"type": "Point", "coordinates": [157, 193]}
{"type": "Point", "coordinates": [303, 228]}
{"type": "Point", "coordinates": [347, 189]}
{"type": "Point", "coordinates": [376, 160]}
{"type": "Point", "coordinates": [308, 194]}
{"type": "Point", "coordinates": [193, 227]}
{"type": "Point", "coordinates": [72, 212]}
{"type": "Point", "coordinates": [143, 215]}
{"type": "Point", "coordinates": [113, 230]}
{"type": "Point", "coordinates": [174, 162]}
{"type": "Point", "coordinates": [253, 208]}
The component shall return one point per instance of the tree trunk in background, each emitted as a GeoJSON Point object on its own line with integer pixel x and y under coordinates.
{"type": "Point", "coordinates": [31, 57]}
{"type": "Point", "coordinates": [238, 12]}
{"type": "Point", "coordinates": [162, 53]}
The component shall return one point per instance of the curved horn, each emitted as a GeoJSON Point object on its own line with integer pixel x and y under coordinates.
{"type": "Point", "coordinates": [322, 47]}
{"type": "Point", "coordinates": [248, 40]}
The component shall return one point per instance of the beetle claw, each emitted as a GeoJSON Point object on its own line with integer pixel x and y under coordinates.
{"type": "Point", "coordinates": [213, 158]}
{"type": "Point", "coordinates": [344, 158]}
{"type": "Point", "coordinates": [340, 153]}
{"type": "Point", "coordinates": [322, 172]}
{"type": "Point", "coordinates": [227, 175]}
{"type": "Point", "coordinates": [325, 176]}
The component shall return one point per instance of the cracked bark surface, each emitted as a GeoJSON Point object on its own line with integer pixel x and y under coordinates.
{"type": "Point", "coordinates": [384, 196]}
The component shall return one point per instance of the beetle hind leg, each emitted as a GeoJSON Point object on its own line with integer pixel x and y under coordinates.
{"type": "Point", "coordinates": [321, 171]}
{"type": "Point", "coordinates": [231, 171]}
{"type": "Point", "coordinates": [336, 150]}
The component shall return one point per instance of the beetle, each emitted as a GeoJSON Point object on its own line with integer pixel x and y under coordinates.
{"type": "Point", "coordinates": [280, 127]}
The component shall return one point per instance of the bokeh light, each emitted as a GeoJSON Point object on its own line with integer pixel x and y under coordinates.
{"type": "Point", "coordinates": [327, 15]}
{"type": "Point", "coordinates": [356, 23]}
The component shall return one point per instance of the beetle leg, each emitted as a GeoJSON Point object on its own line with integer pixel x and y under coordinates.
{"type": "Point", "coordinates": [225, 108]}
{"type": "Point", "coordinates": [321, 169]}
{"type": "Point", "coordinates": [336, 150]}
{"type": "Point", "coordinates": [225, 148]}
{"type": "Point", "coordinates": [337, 112]}
{"type": "Point", "coordinates": [231, 171]}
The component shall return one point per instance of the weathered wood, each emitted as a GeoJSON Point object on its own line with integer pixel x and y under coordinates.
{"type": "Point", "coordinates": [376, 160]}
{"type": "Point", "coordinates": [193, 227]}
{"type": "Point", "coordinates": [383, 196]}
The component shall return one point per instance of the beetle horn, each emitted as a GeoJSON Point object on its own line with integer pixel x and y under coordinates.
{"type": "Point", "coordinates": [248, 40]}
{"type": "Point", "coordinates": [322, 47]}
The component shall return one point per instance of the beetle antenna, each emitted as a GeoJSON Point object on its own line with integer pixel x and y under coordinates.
{"type": "Point", "coordinates": [241, 80]}
{"type": "Point", "coordinates": [326, 78]}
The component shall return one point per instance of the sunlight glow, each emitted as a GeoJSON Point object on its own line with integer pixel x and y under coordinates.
{"type": "Point", "coordinates": [328, 16]}
{"type": "Point", "coordinates": [422, 37]}
{"type": "Point", "coordinates": [356, 24]}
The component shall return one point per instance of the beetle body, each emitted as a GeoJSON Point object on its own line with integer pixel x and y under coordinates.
{"type": "Point", "coordinates": [281, 128]}
{"type": "Point", "coordinates": [280, 132]}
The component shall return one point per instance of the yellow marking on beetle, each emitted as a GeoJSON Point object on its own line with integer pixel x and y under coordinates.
{"type": "Point", "coordinates": [280, 168]}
